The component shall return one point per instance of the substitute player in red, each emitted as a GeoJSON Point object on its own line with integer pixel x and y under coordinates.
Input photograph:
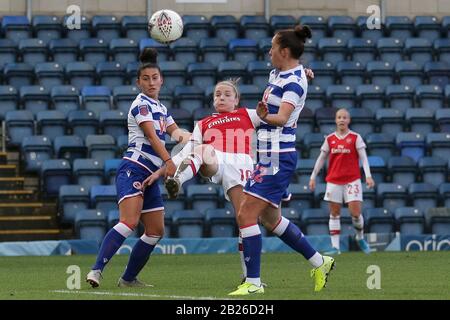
{"type": "Point", "coordinates": [345, 149]}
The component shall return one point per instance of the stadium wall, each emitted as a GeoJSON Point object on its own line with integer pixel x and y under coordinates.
{"type": "Point", "coordinates": [237, 8]}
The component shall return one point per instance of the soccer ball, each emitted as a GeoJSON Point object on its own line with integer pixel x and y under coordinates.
{"type": "Point", "coordinates": [165, 26]}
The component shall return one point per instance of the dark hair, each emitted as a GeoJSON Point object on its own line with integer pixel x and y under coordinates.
{"type": "Point", "coordinates": [148, 58]}
{"type": "Point", "coordinates": [294, 39]}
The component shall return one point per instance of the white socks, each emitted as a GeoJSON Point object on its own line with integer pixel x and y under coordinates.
{"type": "Point", "coordinates": [358, 224]}
{"type": "Point", "coordinates": [335, 230]}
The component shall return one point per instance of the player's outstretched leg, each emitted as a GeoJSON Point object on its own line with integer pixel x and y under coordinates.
{"type": "Point", "coordinates": [187, 169]}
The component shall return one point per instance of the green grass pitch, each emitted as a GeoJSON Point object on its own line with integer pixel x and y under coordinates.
{"type": "Point", "coordinates": [404, 275]}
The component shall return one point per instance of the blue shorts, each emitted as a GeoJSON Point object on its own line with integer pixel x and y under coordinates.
{"type": "Point", "coordinates": [129, 180]}
{"type": "Point", "coordinates": [270, 179]}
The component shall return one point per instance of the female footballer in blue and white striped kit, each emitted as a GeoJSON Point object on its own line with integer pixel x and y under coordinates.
{"type": "Point", "coordinates": [148, 123]}
{"type": "Point", "coordinates": [279, 110]}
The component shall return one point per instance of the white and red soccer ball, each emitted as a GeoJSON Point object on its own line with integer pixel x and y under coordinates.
{"type": "Point", "coordinates": [165, 26]}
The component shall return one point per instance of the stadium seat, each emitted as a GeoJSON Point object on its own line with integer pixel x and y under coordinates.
{"type": "Point", "coordinates": [427, 27]}
{"type": "Point", "coordinates": [400, 97]}
{"type": "Point", "coordinates": [351, 73]}
{"type": "Point", "coordinates": [110, 74]}
{"type": "Point", "coordinates": [442, 50]}
{"type": "Point", "coordinates": [183, 118]}
{"type": "Point", "coordinates": [80, 74]}
{"type": "Point", "coordinates": [47, 28]}
{"type": "Point", "coordinates": [196, 27]}
{"type": "Point", "coordinates": [79, 31]}
{"type": "Point", "coordinates": [110, 167]}
{"type": "Point", "coordinates": [18, 74]}
{"type": "Point", "coordinates": [83, 123]}
{"type": "Point", "coordinates": [123, 97]}
{"type": "Point", "coordinates": [281, 22]}
{"type": "Point", "coordinates": [315, 221]}
{"type": "Point", "coordinates": [54, 173]}
{"type": "Point", "coordinates": [213, 50]}
{"type": "Point", "coordinates": [378, 168]}
{"type": "Point", "coordinates": [411, 144]}
{"type": "Point", "coordinates": [101, 147]}
{"type": "Point", "coordinates": [103, 197]}
{"type": "Point", "coordinates": [423, 195]}
{"type": "Point", "coordinates": [123, 50]}
{"type": "Point", "coordinates": [420, 120]}
{"type": "Point", "coordinates": [410, 220]}
{"type": "Point", "coordinates": [325, 119]}
{"type": "Point", "coordinates": [90, 225]}
{"type": "Point", "coordinates": [430, 97]}
{"type": "Point", "coordinates": [114, 218]}
{"type": "Point", "coordinates": [51, 123]}
{"type": "Point", "coordinates": [446, 26]}
{"type": "Point", "coordinates": [254, 27]}
{"type": "Point", "coordinates": [134, 28]}
{"type": "Point", "coordinates": [122, 144]}
{"type": "Point", "coordinates": [304, 170]}
{"type": "Point", "coordinates": [259, 71]}
{"type": "Point", "coordinates": [185, 49]}
{"type": "Point", "coordinates": [312, 142]}
{"type": "Point", "coordinates": [188, 223]}
{"type": "Point", "coordinates": [437, 73]}
{"type": "Point", "coordinates": [380, 73]}
{"type": "Point", "coordinates": [264, 46]}
{"type": "Point", "coordinates": [362, 50]}
{"type": "Point", "coordinates": [391, 196]}
{"type": "Point", "coordinates": [305, 124]}
{"type": "Point", "coordinates": [106, 27]}
{"type": "Point", "coordinates": [93, 50]}
{"type": "Point", "coordinates": [293, 215]}
{"type": "Point", "coordinates": [310, 52]}
{"type": "Point", "coordinates": [72, 199]}
{"type": "Point", "coordinates": [19, 124]}
{"type": "Point", "coordinates": [96, 98]}
{"type": "Point", "coordinates": [409, 73]}
{"type": "Point", "coordinates": [370, 197]}
{"type": "Point", "coordinates": [390, 120]}
{"type": "Point", "coordinates": [69, 147]}
{"type": "Point", "coordinates": [113, 122]}
{"type": "Point", "coordinates": [342, 27]}
{"type": "Point", "coordinates": [444, 193]}
{"type": "Point", "coordinates": [419, 50]}
{"type": "Point", "coordinates": [35, 98]}
{"type": "Point", "coordinates": [319, 193]}
{"type": "Point", "coordinates": [346, 222]}
{"type": "Point", "coordinates": [231, 69]}
{"type": "Point", "coordinates": [315, 99]}
{"type": "Point", "coordinates": [438, 220]}
{"type": "Point", "coordinates": [65, 98]}
{"type": "Point", "coordinates": [225, 27]}
{"type": "Point", "coordinates": [8, 51]}
{"type": "Point", "coordinates": [402, 170]}
{"type": "Point", "coordinates": [379, 220]}
{"type": "Point", "coordinates": [400, 27]}
{"type": "Point", "coordinates": [189, 97]}
{"type": "Point", "coordinates": [301, 197]}
{"type": "Point", "coordinates": [16, 28]}
{"type": "Point", "coordinates": [243, 50]}
{"type": "Point", "coordinates": [202, 197]}
{"type": "Point", "coordinates": [370, 97]}
{"type": "Point", "coordinates": [324, 73]}
{"type": "Point", "coordinates": [36, 150]}
{"type": "Point", "coordinates": [9, 100]}
{"type": "Point", "coordinates": [249, 95]}
{"type": "Point", "coordinates": [439, 144]}
{"type": "Point", "coordinates": [201, 113]}
{"type": "Point", "coordinates": [332, 49]}
{"type": "Point", "coordinates": [174, 73]}
{"type": "Point", "coordinates": [442, 117]}
{"type": "Point", "coordinates": [164, 52]}
{"type": "Point", "coordinates": [390, 50]}
{"type": "Point", "coordinates": [362, 120]}
{"type": "Point", "coordinates": [433, 170]}
{"type": "Point", "coordinates": [369, 34]}
{"type": "Point", "coordinates": [88, 172]}
{"type": "Point", "coordinates": [201, 74]}
{"type": "Point", "coordinates": [49, 74]}
{"type": "Point", "coordinates": [318, 24]}
{"type": "Point", "coordinates": [221, 223]}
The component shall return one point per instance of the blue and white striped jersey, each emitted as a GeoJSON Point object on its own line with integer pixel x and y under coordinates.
{"type": "Point", "coordinates": [284, 86]}
{"type": "Point", "coordinates": [139, 149]}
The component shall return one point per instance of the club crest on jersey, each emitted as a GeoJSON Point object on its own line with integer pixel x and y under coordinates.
{"type": "Point", "coordinates": [143, 110]}
{"type": "Point", "coordinates": [162, 124]}
{"type": "Point", "coordinates": [348, 140]}
{"type": "Point", "coordinates": [267, 93]}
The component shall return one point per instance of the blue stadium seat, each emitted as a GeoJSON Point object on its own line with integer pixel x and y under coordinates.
{"type": "Point", "coordinates": [315, 221]}
{"type": "Point", "coordinates": [446, 26]}
{"type": "Point", "coordinates": [319, 194]}
{"type": "Point", "coordinates": [400, 27]}
{"type": "Point", "coordinates": [221, 223]}
{"type": "Point", "coordinates": [442, 50]}
{"type": "Point", "coordinates": [444, 193]}
{"type": "Point", "coordinates": [438, 220]}
{"type": "Point", "coordinates": [114, 218]}
{"type": "Point", "coordinates": [325, 120]}
{"type": "Point", "coordinates": [77, 30]}
{"type": "Point", "coordinates": [65, 98]}
{"type": "Point", "coordinates": [264, 46]}
{"type": "Point", "coordinates": [433, 170]}
{"type": "Point", "coordinates": [409, 73]}
{"type": "Point", "coordinates": [341, 96]}
{"type": "Point", "coordinates": [33, 51]}
{"type": "Point", "coordinates": [400, 97]}
{"type": "Point", "coordinates": [370, 197]}
{"type": "Point", "coordinates": [380, 144]}
{"type": "Point", "coordinates": [72, 199]}
{"type": "Point", "coordinates": [427, 27]}
{"type": "Point", "coordinates": [423, 195]}
{"type": "Point", "coordinates": [189, 223]}
{"type": "Point", "coordinates": [185, 49]}
{"type": "Point", "coordinates": [19, 124]}
{"type": "Point", "coordinates": [315, 99]}
{"type": "Point", "coordinates": [250, 95]}
{"type": "Point", "coordinates": [110, 74]}
{"type": "Point", "coordinates": [411, 144]}
{"type": "Point", "coordinates": [304, 169]}
{"type": "Point", "coordinates": [49, 74]}
{"type": "Point", "coordinates": [47, 28]}
{"type": "Point", "coordinates": [378, 168]}
{"type": "Point", "coordinates": [430, 97]}
{"type": "Point", "coordinates": [410, 220]}
{"type": "Point", "coordinates": [90, 225]}
{"type": "Point", "coordinates": [370, 96]}
{"type": "Point", "coordinates": [254, 27]}
{"type": "Point", "coordinates": [259, 71]}
{"type": "Point", "coordinates": [196, 27]}
{"type": "Point", "coordinates": [166, 97]}
{"type": "Point", "coordinates": [225, 27]}
{"type": "Point", "coordinates": [213, 50]}
{"type": "Point", "coordinates": [36, 150]}
{"type": "Point", "coordinates": [101, 146]}
{"type": "Point", "coordinates": [113, 122]}
{"type": "Point", "coordinates": [69, 148]}
{"type": "Point", "coordinates": [83, 123]}
{"type": "Point", "coordinates": [9, 100]}
{"type": "Point", "coordinates": [174, 73]}
{"type": "Point", "coordinates": [122, 144]}
{"type": "Point", "coordinates": [301, 197]}
{"type": "Point", "coordinates": [63, 50]}
{"type": "Point", "coordinates": [202, 197]}
{"type": "Point", "coordinates": [369, 34]}
{"type": "Point", "coordinates": [390, 120]}
{"type": "Point", "coordinates": [80, 74]}
{"type": "Point", "coordinates": [439, 144]}
{"type": "Point", "coordinates": [312, 142]}
{"type": "Point", "coordinates": [110, 166]}
{"type": "Point", "coordinates": [243, 50]}
{"type": "Point", "coordinates": [106, 27]}
{"type": "Point", "coordinates": [324, 73]}
{"type": "Point", "coordinates": [183, 118]}
{"type": "Point", "coordinates": [93, 50]}
{"type": "Point", "coordinates": [362, 50]}
{"type": "Point", "coordinates": [281, 22]}
{"type": "Point", "coordinates": [134, 28]}
{"type": "Point", "coordinates": [420, 120]}
{"type": "Point", "coordinates": [351, 73]}
{"type": "Point", "coordinates": [189, 97]}
{"type": "Point", "coordinates": [51, 123]}
{"type": "Point", "coordinates": [442, 117]}
{"type": "Point", "coordinates": [390, 50]}
{"type": "Point", "coordinates": [8, 51]}
{"type": "Point", "coordinates": [380, 73]}
{"type": "Point", "coordinates": [379, 220]}
{"type": "Point", "coordinates": [96, 98]}
{"type": "Point", "coordinates": [16, 28]}
{"type": "Point", "coordinates": [437, 73]}
{"type": "Point", "coordinates": [88, 172]}
{"type": "Point", "coordinates": [402, 170]}
{"type": "Point", "coordinates": [123, 50]}
{"type": "Point", "coordinates": [164, 51]}
{"type": "Point", "coordinates": [318, 25]}
{"type": "Point", "coordinates": [310, 52]}
{"type": "Point", "coordinates": [419, 50]}
{"type": "Point", "coordinates": [362, 120]}
{"type": "Point", "coordinates": [18, 74]}
{"type": "Point", "coordinates": [231, 69]}
{"type": "Point", "coordinates": [391, 195]}
{"type": "Point", "coordinates": [346, 222]}
{"type": "Point", "coordinates": [123, 97]}
{"type": "Point", "coordinates": [54, 174]}
{"type": "Point", "coordinates": [35, 98]}
{"type": "Point", "coordinates": [332, 49]}
{"type": "Point", "coordinates": [342, 27]}
{"type": "Point", "coordinates": [201, 74]}
{"type": "Point", "coordinates": [103, 197]}
{"type": "Point", "coordinates": [305, 124]}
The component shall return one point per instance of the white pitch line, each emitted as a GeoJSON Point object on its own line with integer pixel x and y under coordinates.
{"type": "Point", "coordinates": [131, 294]}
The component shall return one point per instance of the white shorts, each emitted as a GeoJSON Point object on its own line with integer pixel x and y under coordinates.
{"type": "Point", "coordinates": [348, 192]}
{"type": "Point", "coordinates": [233, 169]}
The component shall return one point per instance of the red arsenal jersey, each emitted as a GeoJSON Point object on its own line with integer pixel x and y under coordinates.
{"type": "Point", "coordinates": [343, 165]}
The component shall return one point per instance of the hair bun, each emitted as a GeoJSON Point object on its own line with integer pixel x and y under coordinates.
{"type": "Point", "coordinates": [303, 32]}
{"type": "Point", "coordinates": [148, 55]}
